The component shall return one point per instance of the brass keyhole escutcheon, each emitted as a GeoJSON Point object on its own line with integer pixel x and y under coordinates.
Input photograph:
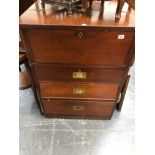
{"type": "Point", "coordinates": [80, 35]}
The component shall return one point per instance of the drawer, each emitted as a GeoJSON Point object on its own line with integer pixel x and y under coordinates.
{"type": "Point", "coordinates": [94, 109]}
{"type": "Point", "coordinates": [78, 74]}
{"type": "Point", "coordinates": [91, 47]}
{"type": "Point", "coordinates": [83, 91]}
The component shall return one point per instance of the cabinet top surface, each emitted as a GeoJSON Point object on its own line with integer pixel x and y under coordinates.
{"type": "Point", "coordinates": [36, 16]}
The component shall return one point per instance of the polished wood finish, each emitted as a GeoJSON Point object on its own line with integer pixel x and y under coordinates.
{"type": "Point", "coordinates": [93, 45]}
{"type": "Point", "coordinates": [55, 73]}
{"type": "Point", "coordinates": [36, 17]}
{"type": "Point", "coordinates": [92, 91]}
{"type": "Point", "coordinates": [24, 80]}
{"type": "Point", "coordinates": [83, 109]}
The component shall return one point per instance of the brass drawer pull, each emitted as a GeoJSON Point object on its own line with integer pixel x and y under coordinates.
{"type": "Point", "coordinates": [78, 108]}
{"type": "Point", "coordinates": [79, 75]}
{"type": "Point", "coordinates": [80, 35]}
{"type": "Point", "coordinates": [79, 91]}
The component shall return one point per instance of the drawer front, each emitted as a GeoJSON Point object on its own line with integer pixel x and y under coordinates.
{"type": "Point", "coordinates": [79, 91]}
{"type": "Point", "coordinates": [89, 47]}
{"type": "Point", "coordinates": [78, 108]}
{"type": "Point", "coordinates": [77, 74]}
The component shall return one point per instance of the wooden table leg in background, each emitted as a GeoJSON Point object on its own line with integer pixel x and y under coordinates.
{"type": "Point", "coordinates": [123, 92]}
{"type": "Point", "coordinates": [33, 87]}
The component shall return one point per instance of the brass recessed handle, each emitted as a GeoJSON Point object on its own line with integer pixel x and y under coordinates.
{"type": "Point", "coordinates": [79, 75]}
{"type": "Point", "coordinates": [78, 91]}
{"type": "Point", "coordinates": [80, 35]}
{"type": "Point", "coordinates": [78, 108]}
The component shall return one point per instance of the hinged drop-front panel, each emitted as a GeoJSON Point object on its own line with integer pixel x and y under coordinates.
{"type": "Point", "coordinates": [80, 47]}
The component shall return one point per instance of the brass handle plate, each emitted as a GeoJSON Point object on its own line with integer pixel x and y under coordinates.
{"type": "Point", "coordinates": [78, 108]}
{"type": "Point", "coordinates": [79, 91]}
{"type": "Point", "coordinates": [79, 75]}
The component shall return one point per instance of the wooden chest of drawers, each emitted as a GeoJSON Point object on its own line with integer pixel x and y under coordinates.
{"type": "Point", "coordinates": [79, 64]}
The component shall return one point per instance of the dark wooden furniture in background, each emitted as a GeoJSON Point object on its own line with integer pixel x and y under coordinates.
{"type": "Point", "coordinates": [131, 4]}
{"type": "Point", "coordinates": [80, 62]}
{"type": "Point", "coordinates": [24, 5]}
{"type": "Point", "coordinates": [24, 79]}
{"type": "Point", "coordinates": [91, 3]}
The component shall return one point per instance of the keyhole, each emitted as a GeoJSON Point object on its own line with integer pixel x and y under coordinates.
{"type": "Point", "coordinates": [80, 35]}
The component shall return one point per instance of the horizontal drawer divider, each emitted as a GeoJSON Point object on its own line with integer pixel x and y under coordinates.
{"type": "Point", "coordinates": [76, 99]}
{"type": "Point", "coordinates": [80, 82]}
{"type": "Point", "coordinates": [81, 66]}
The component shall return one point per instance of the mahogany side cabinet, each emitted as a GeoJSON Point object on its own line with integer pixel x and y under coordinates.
{"type": "Point", "coordinates": [79, 62]}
